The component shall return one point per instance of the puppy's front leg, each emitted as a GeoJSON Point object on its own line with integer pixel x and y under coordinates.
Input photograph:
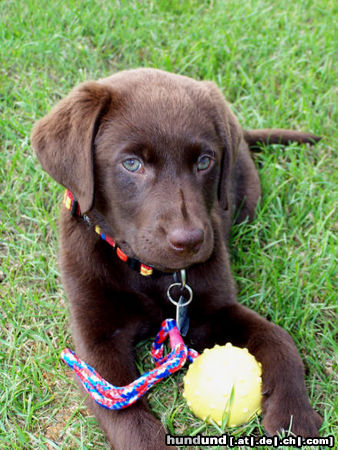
{"type": "Point", "coordinates": [285, 403]}
{"type": "Point", "coordinates": [105, 327]}
{"type": "Point", "coordinates": [135, 426]}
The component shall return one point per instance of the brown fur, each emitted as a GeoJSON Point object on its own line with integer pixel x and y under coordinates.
{"type": "Point", "coordinates": [168, 215]}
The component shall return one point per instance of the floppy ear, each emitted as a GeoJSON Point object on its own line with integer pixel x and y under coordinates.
{"type": "Point", "coordinates": [230, 134]}
{"type": "Point", "coordinates": [64, 139]}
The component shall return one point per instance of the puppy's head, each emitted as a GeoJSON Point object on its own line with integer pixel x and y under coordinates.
{"type": "Point", "coordinates": [150, 154]}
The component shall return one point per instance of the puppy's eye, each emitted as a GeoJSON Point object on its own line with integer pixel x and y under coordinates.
{"type": "Point", "coordinates": [204, 162]}
{"type": "Point", "coordinates": [132, 164]}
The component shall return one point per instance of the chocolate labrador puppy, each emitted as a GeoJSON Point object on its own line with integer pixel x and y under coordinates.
{"type": "Point", "coordinates": [161, 164]}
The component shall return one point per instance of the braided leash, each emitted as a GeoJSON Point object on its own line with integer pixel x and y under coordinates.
{"type": "Point", "coordinates": [113, 397]}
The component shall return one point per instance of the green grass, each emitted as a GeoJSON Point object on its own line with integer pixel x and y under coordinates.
{"type": "Point", "coordinates": [274, 62]}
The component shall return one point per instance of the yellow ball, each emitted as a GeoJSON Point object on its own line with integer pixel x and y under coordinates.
{"type": "Point", "coordinates": [224, 381]}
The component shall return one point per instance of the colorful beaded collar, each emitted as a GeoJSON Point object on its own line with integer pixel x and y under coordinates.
{"type": "Point", "coordinates": [73, 206]}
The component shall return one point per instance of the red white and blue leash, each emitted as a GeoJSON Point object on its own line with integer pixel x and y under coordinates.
{"type": "Point", "coordinates": [113, 397]}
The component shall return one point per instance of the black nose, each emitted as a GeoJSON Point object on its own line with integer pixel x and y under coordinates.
{"type": "Point", "coordinates": [186, 240]}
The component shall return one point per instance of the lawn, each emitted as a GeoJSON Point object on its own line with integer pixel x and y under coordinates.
{"type": "Point", "coordinates": [274, 63]}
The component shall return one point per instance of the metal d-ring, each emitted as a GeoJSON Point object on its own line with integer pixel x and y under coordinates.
{"type": "Point", "coordinates": [187, 287]}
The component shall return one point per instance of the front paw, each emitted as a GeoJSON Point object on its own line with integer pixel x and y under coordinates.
{"type": "Point", "coordinates": [138, 429]}
{"type": "Point", "coordinates": [290, 414]}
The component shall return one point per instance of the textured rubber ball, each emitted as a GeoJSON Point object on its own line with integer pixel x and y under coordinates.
{"type": "Point", "coordinates": [224, 384]}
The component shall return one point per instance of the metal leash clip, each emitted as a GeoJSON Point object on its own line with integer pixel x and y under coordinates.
{"type": "Point", "coordinates": [186, 294]}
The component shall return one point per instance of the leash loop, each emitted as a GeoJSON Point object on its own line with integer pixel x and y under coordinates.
{"type": "Point", "coordinates": [113, 397]}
